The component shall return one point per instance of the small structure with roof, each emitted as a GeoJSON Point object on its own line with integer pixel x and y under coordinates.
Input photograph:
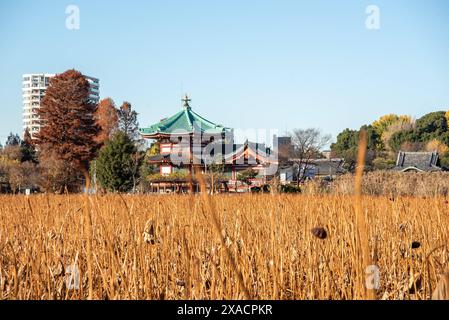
{"type": "Point", "coordinates": [312, 168]}
{"type": "Point", "coordinates": [319, 168]}
{"type": "Point", "coordinates": [417, 162]}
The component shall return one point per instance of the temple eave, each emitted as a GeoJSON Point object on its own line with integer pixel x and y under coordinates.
{"type": "Point", "coordinates": [157, 135]}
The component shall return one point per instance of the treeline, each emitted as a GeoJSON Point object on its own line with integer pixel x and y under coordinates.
{"type": "Point", "coordinates": [18, 163]}
{"type": "Point", "coordinates": [393, 133]}
{"type": "Point", "coordinates": [80, 144]}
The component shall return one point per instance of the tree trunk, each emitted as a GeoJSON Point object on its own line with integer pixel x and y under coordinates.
{"type": "Point", "coordinates": [87, 178]}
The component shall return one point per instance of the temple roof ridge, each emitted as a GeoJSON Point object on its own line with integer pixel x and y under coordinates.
{"type": "Point", "coordinates": [184, 120]}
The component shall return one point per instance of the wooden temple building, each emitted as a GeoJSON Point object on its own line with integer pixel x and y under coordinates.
{"type": "Point", "coordinates": [189, 143]}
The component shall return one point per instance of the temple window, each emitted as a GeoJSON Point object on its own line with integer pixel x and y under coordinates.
{"type": "Point", "coordinates": [166, 170]}
{"type": "Point", "coordinates": [166, 148]}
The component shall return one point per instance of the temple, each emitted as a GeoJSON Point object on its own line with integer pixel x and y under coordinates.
{"type": "Point", "coordinates": [189, 143]}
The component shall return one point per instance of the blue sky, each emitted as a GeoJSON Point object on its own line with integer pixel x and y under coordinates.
{"type": "Point", "coordinates": [245, 64]}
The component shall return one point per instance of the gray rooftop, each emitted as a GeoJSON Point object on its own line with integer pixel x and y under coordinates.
{"type": "Point", "coordinates": [417, 161]}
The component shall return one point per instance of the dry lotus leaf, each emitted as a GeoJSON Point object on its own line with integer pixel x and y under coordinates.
{"type": "Point", "coordinates": [416, 245]}
{"type": "Point", "coordinates": [319, 232]}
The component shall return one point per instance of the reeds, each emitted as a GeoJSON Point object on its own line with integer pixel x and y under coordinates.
{"type": "Point", "coordinates": [183, 257]}
{"type": "Point", "coordinates": [386, 183]}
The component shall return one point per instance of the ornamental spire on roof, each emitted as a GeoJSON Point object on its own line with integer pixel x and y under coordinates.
{"type": "Point", "coordinates": [186, 101]}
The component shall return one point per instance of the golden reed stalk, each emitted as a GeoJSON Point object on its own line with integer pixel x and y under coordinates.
{"type": "Point", "coordinates": [361, 223]}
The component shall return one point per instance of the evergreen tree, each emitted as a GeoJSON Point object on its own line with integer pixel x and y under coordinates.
{"type": "Point", "coordinates": [346, 147]}
{"type": "Point", "coordinates": [116, 163]}
{"type": "Point", "coordinates": [27, 150]}
{"type": "Point", "coordinates": [13, 140]}
{"type": "Point", "coordinates": [431, 125]}
{"type": "Point", "coordinates": [246, 176]}
{"type": "Point", "coordinates": [347, 144]}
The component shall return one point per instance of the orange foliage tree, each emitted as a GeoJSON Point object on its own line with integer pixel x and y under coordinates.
{"type": "Point", "coordinates": [107, 119]}
{"type": "Point", "coordinates": [68, 122]}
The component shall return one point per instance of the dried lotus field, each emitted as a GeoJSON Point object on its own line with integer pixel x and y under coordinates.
{"type": "Point", "coordinates": [218, 247]}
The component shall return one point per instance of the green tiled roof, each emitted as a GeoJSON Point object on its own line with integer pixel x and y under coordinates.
{"type": "Point", "coordinates": [185, 120]}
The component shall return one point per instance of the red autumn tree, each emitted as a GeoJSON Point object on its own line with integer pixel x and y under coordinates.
{"type": "Point", "coordinates": [107, 119]}
{"type": "Point", "coordinates": [57, 175]}
{"type": "Point", "coordinates": [68, 123]}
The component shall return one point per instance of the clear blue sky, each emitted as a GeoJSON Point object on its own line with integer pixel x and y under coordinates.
{"type": "Point", "coordinates": [246, 64]}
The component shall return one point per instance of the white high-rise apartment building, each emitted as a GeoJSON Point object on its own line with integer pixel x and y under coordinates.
{"type": "Point", "coordinates": [33, 89]}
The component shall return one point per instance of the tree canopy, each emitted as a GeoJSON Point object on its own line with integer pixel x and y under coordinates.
{"type": "Point", "coordinates": [346, 145]}
{"type": "Point", "coordinates": [28, 152]}
{"type": "Point", "coordinates": [431, 125]}
{"type": "Point", "coordinates": [68, 123]}
{"type": "Point", "coordinates": [384, 122]}
{"type": "Point", "coordinates": [13, 140]}
{"type": "Point", "coordinates": [116, 162]}
{"type": "Point", "coordinates": [106, 118]}
{"type": "Point", "coordinates": [127, 121]}
{"type": "Point", "coordinates": [392, 133]}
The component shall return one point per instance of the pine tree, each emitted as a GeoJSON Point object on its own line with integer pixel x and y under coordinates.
{"type": "Point", "coordinates": [27, 150]}
{"type": "Point", "coordinates": [116, 164]}
{"type": "Point", "coordinates": [68, 123]}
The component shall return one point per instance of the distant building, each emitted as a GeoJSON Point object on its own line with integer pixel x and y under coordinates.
{"type": "Point", "coordinates": [314, 168]}
{"type": "Point", "coordinates": [417, 161]}
{"type": "Point", "coordinates": [284, 147]}
{"type": "Point", "coordinates": [34, 87]}
{"type": "Point", "coordinates": [327, 154]}
{"type": "Point", "coordinates": [324, 168]}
